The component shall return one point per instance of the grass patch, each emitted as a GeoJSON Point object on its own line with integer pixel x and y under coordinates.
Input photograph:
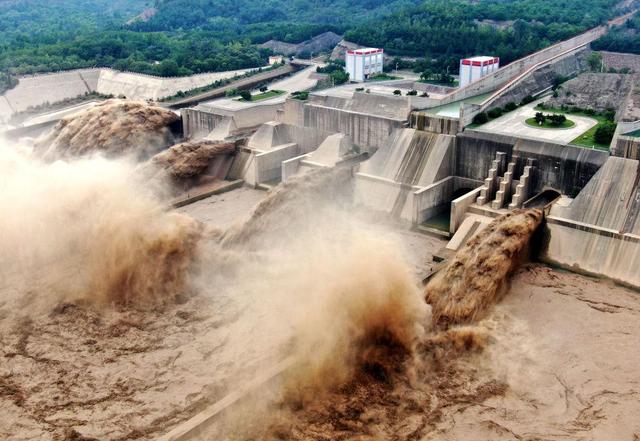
{"type": "Point", "coordinates": [264, 95]}
{"type": "Point", "coordinates": [383, 77]}
{"type": "Point", "coordinates": [549, 125]}
{"type": "Point", "coordinates": [587, 139]}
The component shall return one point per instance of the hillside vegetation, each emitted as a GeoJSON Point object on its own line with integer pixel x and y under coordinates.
{"type": "Point", "coordinates": [182, 37]}
{"type": "Point", "coordinates": [625, 38]}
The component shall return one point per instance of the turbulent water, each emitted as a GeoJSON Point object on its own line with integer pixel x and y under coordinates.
{"type": "Point", "coordinates": [190, 159]}
{"type": "Point", "coordinates": [309, 277]}
{"type": "Point", "coordinates": [401, 365]}
{"type": "Point", "coordinates": [112, 128]}
{"type": "Point", "coordinates": [89, 229]}
{"type": "Point", "coordinates": [476, 277]}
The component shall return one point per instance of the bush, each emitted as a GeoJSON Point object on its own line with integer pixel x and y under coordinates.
{"type": "Point", "coordinates": [246, 95]}
{"type": "Point", "coordinates": [480, 118]}
{"type": "Point", "coordinates": [300, 95]}
{"type": "Point", "coordinates": [495, 112]}
{"type": "Point", "coordinates": [610, 114]}
{"type": "Point", "coordinates": [264, 89]}
{"type": "Point", "coordinates": [557, 119]}
{"type": "Point", "coordinates": [604, 133]}
{"type": "Point", "coordinates": [359, 89]}
{"type": "Point", "coordinates": [590, 112]}
{"type": "Point", "coordinates": [424, 95]}
{"type": "Point", "coordinates": [232, 92]}
{"type": "Point", "coordinates": [527, 100]}
{"type": "Point", "coordinates": [397, 92]}
{"type": "Point", "coordinates": [511, 106]}
{"type": "Point", "coordinates": [412, 93]}
{"type": "Point", "coordinates": [540, 118]}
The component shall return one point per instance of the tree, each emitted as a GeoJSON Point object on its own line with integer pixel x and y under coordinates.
{"type": "Point", "coordinates": [557, 119]}
{"type": "Point", "coordinates": [168, 68]}
{"type": "Point", "coordinates": [481, 118]}
{"type": "Point", "coordinates": [540, 118]}
{"type": "Point", "coordinates": [246, 95]}
{"type": "Point", "coordinates": [594, 60]}
{"type": "Point", "coordinates": [339, 77]}
{"type": "Point", "coordinates": [604, 133]}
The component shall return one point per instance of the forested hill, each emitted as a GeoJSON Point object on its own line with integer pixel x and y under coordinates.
{"type": "Point", "coordinates": [180, 37]}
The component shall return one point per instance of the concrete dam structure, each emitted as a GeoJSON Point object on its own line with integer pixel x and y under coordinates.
{"type": "Point", "coordinates": [37, 90]}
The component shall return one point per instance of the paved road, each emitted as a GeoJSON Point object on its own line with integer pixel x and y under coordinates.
{"type": "Point", "coordinates": [243, 83]}
{"type": "Point", "coordinates": [513, 123]}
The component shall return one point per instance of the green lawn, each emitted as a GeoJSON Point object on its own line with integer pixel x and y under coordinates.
{"type": "Point", "coordinates": [587, 138]}
{"type": "Point", "coordinates": [383, 77]}
{"type": "Point", "coordinates": [265, 95]}
{"type": "Point", "coordinates": [549, 125]}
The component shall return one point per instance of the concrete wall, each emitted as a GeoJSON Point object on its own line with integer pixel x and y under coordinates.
{"type": "Point", "coordinates": [291, 166]}
{"type": "Point", "coordinates": [144, 87]}
{"type": "Point", "coordinates": [268, 165]}
{"type": "Point", "coordinates": [367, 131]}
{"type": "Point", "coordinates": [384, 195]}
{"type": "Point", "coordinates": [506, 73]}
{"type": "Point", "coordinates": [197, 124]}
{"type": "Point", "coordinates": [586, 248]}
{"type": "Point", "coordinates": [437, 197]}
{"type": "Point", "coordinates": [565, 168]}
{"type": "Point", "coordinates": [293, 112]}
{"type": "Point", "coordinates": [274, 133]}
{"type": "Point", "coordinates": [626, 147]}
{"type": "Point", "coordinates": [460, 206]}
{"type": "Point", "coordinates": [433, 123]}
{"type": "Point", "coordinates": [540, 79]}
{"type": "Point", "coordinates": [35, 90]}
{"type": "Point", "coordinates": [199, 121]}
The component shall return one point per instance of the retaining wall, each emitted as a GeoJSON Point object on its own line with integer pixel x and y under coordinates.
{"type": "Point", "coordinates": [367, 131]}
{"type": "Point", "coordinates": [507, 73]}
{"type": "Point", "coordinates": [563, 167]}
{"type": "Point", "coordinates": [437, 197]}
{"type": "Point", "coordinates": [593, 250]}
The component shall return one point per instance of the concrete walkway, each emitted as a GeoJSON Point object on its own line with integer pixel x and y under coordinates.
{"type": "Point", "coordinates": [513, 123]}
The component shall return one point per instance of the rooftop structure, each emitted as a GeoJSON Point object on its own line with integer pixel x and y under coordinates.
{"type": "Point", "coordinates": [363, 63]}
{"type": "Point", "coordinates": [472, 69]}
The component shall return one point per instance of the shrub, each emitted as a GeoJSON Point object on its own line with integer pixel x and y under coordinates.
{"type": "Point", "coordinates": [540, 118]}
{"type": "Point", "coordinates": [557, 119]}
{"type": "Point", "coordinates": [300, 95]}
{"type": "Point", "coordinates": [246, 95]}
{"type": "Point", "coordinates": [511, 106]}
{"type": "Point", "coordinates": [480, 118]}
{"type": "Point", "coordinates": [412, 93]}
{"type": "Point", "coordinates": [610, 114]}
{"type": "Point", "coordinates": [424, 95]}
{"type": "Point", "coordinates": [397, 92]}
{"type": "Point", "coordinates": [359, 89]}
{"type": "Point", "coordinates": [232, 92]}
{"type": "Point", "coordinates": [495, 112]}
{"type": "Point", "coordinates": [604, 133]}
{"type": "Point", "coordinates": [264, 89]}
{"type": "Point", "coordinates": [590, 112]}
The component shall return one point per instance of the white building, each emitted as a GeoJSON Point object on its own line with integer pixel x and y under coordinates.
{"type": "Point", "coordinates": [362, 63]}
{"type": "Point", "coordinates": [275, 59]}
{"type": "Point", "coordinates": [472, 69]}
